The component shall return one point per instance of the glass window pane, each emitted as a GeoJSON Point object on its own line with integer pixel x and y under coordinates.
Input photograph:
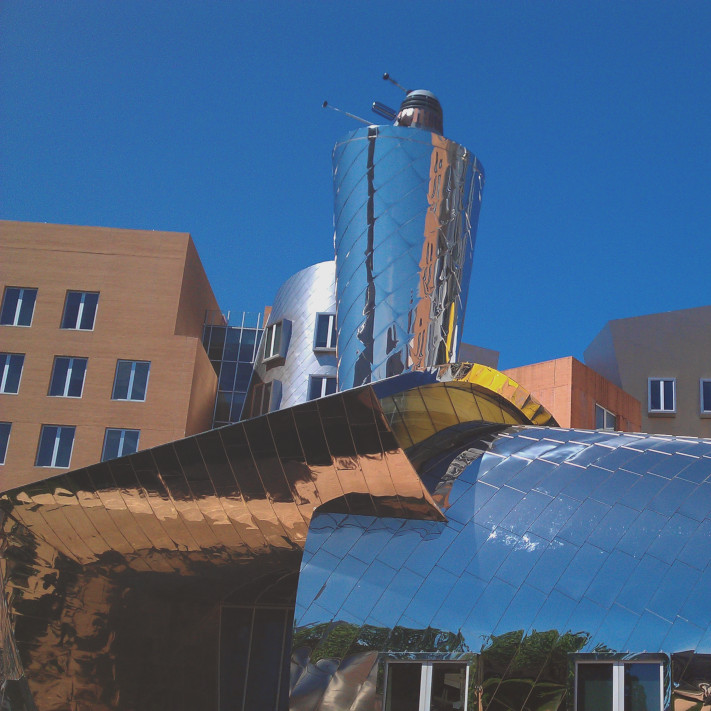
{"type": "Point", "coordinates": [314, 387]}
{"type": "Point", "coordinates": [237, 405]}
{"type": "Point", "coordinates": [706, 395]}
{"type": "Point", "coordinates": [244, 373]}
{"type": "Point", "coordinates": [265, 659]}
{"type": "Point", "coordinates": [112, 440]}
{"type": "Point", "coordinates": [9, 306]}
{"type": "Point", "coordinates": [11, 369]}
{"type": "Point", "coordinates": [27, 307]}
{"type": "Point", "coordinates": [668, 394]}
{"type": "Point", "coordinates": [276, 346]}
{"type": "Point", "coordinates": [59, 376]}
{"type": "Point", "coordinates": [227, 376]}
{"type": "Point", "coordinates": [599, 418]}
{"type": "Point", "coordinates": [76, 380]}
{"type": "Point", "coordinates": [322, 323]}
{"type": "Point", "coordinates": [642, 687]}
{"type": "Point", "coordinates": [232, 344]}
{"type": "Point", "coordinates": [330, 386]}
{"type": "Point", "coordinates": [448, 687]}
{"type": "Point", "coordinates": [64, 451]}
{"type": "Point", "coordinates": [89, 311]}
{"type": "Point", "coordinates": [268, 337]}
{"type": "Point", "coordinates": [217, 343]}
{"type": "Point", "coordinates": [123, 375]}
{"type": "Point", "coordinates": [71, 310]}
{"type": "Point", "coordinates": [246, 346]}
{"type": "Point", "coordinates": [594, 692]}
{"type": "Point", "coordinates": [140, 381]}
{"type": "Point", "coordinates": [403, 691]}
{"type": "Point", "coordinates": [235, 635]}
{"type": "Point", "coordinates": [5, 428]}
{"type": "Point", "coordinates": [130, 442]}
{"type": "Point", "coordinates": [46, 447]}
{"type": "Point", "coordinates": [655, 399]}
{"type": "Point", "coordinates": [222, 407]}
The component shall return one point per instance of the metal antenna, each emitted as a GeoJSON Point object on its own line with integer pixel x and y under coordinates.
{"type": "Point", "coordinates": [387, 77]}
{"type": "Point", "coordinates": [326, 105]}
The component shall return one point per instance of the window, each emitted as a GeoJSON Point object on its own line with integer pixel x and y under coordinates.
{"type": "Point", "coordinates": [18, 306]}
{"type": "Point", "coordinates": [619, 686]}
{"type": "Point", "coordinates": [272, 341]}
{"type": "Point", "coordinates": [604, 419]}
{"type": "Point", "coordinates": [117, 443]}
{"type": "Point", "coordinates": [131, 380]}
{"type": "Point", "coordinates": [320, 385]}
{"type": "Point", "coordinates": [10, 372]}
{"type": "Point", "coordinates": [421, 686]}
{"type": "Point", "coordinates": [67, 377]}
{"type": "Point", "coordinates": [55, 446]}
{"type": "Point", "coordinates": [5, 428]}
{"type": "Point", "coordinates": [80, 310]}
{"type": "Point", "coordinates": [261, 399]}
{"type": "Point", "coordinates": [662, 395]}
{"type": "Point", "coordinates": [705, 396]}
{"type": "Point", "coordinates": [325, 338]}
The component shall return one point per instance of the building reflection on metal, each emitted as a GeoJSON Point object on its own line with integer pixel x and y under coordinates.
{"type": "Point", "coordinates": [285, 370]}
{"type": "Point", "coordinates": [406, 209]}
{"type": "Point", "coordinates": [113, 575]}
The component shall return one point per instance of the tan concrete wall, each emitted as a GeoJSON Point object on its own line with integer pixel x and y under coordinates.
{"type": "Point", "coordinates": [570, 390]}
{"type": "Point", "coordinates": [140, 277]}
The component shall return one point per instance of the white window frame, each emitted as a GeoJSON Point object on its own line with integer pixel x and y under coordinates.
{"type": "Point", "coordinates": [331, 334]}
{"type": "Point", "coordinates": [5, 371]}
{"type": "Point", "coordinates": [606, 412]}
{"type": "Point", "coordinates": [702, 410]}
{"type": "Point", "coordinates": [426, 679]}
{"type": "Point", "coordinates": [122, 439]}
{"type": "Point", "coordinates": [7, 443]}
{"type": "Point", "coordinates": [618, 679]}
{"type": "Point", "coordinates": [662, 410]}
{"type": "Point", "coordinates": [57, 437]}
{"type": "Point", "coordinates": [18, 306]}
{"type": "Point", "coordinates": [131, 379]}
{"type": "Point", "coordinates": [324, 381]}
{"type": "Point", "coordinates": [80, 312]}
{"type": "Point", "coordinates": [68, 376]}
{"type": "Point", "coordinates": [270, 352]}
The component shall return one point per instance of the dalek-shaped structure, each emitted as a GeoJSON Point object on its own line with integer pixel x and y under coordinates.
{"type": "Point", "coordinates": [406, 207]}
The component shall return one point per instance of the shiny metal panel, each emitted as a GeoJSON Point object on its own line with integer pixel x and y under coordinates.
{"type": "Point", "coordinates": [405, 213]}
{"type": "Point", "coordinates": [531, 568]}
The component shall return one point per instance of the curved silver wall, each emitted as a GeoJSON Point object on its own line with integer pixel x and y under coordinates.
{"type": "Point", "coordinates": [406, 209]}
{"type": "Point", "coordinates": [296, 305]}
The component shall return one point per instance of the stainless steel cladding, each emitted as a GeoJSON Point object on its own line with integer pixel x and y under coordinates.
{"type": "Point", "coordinates": [406, 208]}
{"type": "Point", "coordinates": [297, 353]}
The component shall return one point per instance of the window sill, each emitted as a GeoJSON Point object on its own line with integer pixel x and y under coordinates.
{"type": "Point", "coordinates": [318, 349]}
{"type": "Point", "coordinates": [661, 413]}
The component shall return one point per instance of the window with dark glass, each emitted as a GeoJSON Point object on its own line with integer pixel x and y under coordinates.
{"type": "Point", "coordinates": [705, 395]}
{"type": "Point", "coordinates": [423, 686]}
{"type": "Point", "coordinates": [619, 686]}
{"type": "Point", "coordinates": [261, 399]}
{"type": "Point", "coordinates": [604, 419]}
{"type": "Point", "coordinates": [662, 394]}
{"type": "Point", "coordinates": [18, 306]}
{"type": "Point", "coordinates": [80, 310]}
{"type": "Point", "coordinates": [272, 341]}
{"type": "Point", "coordinates": [325, 337]}
{"type": "Point", "coordinates": [131, 380]}
{"type": "Point", "coordinates": [321, 385]}
{"type": "Point", "coordinates": [67, 377]}
{"type": "Point", "coordinates": [55, 446]}
{"type": "Point", "coordinates": [5, 428]}
{"type": "Point", "coordinates": [118, 442]}
{"type": "Point", "coordinates": [11, 372]}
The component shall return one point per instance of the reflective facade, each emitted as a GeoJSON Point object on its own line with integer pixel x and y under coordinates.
{"type": "Point", "coordinates": [406, 208]}
{"type": "Point", "coordinates": [297, 304]}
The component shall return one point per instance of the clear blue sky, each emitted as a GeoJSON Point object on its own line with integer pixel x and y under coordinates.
{"type": "Point", "coordinates": [592, 120]}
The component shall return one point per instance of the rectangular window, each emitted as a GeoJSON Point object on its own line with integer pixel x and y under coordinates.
{"type": "Point", "coordinates": [67, 377]}
{"type": "Point", "coordinates": [118, 442]}
{"type": "Point", "coordinates": [325, 337]}
{"type": "Point", "coordinates": [705, 396]}
{"type": "Point", "coordinates": [261, 399]}
{"type": "Point", "coordinates": [619, 686]}
{"type": "Point", "coordinates": [131, 380]}
{"type": "Point", "coordinates": [272, 341]}
{"type": "Point", "coordinates": [662, 395]}
{"type": "Point", "coordinates": [80, 310]}
{"type": "Point", "coordinates": [422, 686]}
{"type": "Point", "coordinates": [5, 428]}
{"type": "Point", "coordinates": [11, 372]}
{"type": "Point", "coordinates": [18, 306]}
{"type": "Point", "coordinates": [55, 446]}
{"type": "Point", "coordinates": [320, 385]}
{"type": "Point", "coordinates": [604, 419]}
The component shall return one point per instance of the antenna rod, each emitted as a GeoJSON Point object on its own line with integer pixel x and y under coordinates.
{"type": "Point", "coordinates": [387, 77]}
{"type": "Point", "coordinates": [326, 105]}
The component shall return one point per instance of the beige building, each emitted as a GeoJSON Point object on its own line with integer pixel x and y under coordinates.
{"type": "Point", "coordinates": [100, 345]}
{"type": "Point", "coordinates": [663, 360]}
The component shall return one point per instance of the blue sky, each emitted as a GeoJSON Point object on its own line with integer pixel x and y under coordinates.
{"type": "Point", "coordinates": [592, 120]}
